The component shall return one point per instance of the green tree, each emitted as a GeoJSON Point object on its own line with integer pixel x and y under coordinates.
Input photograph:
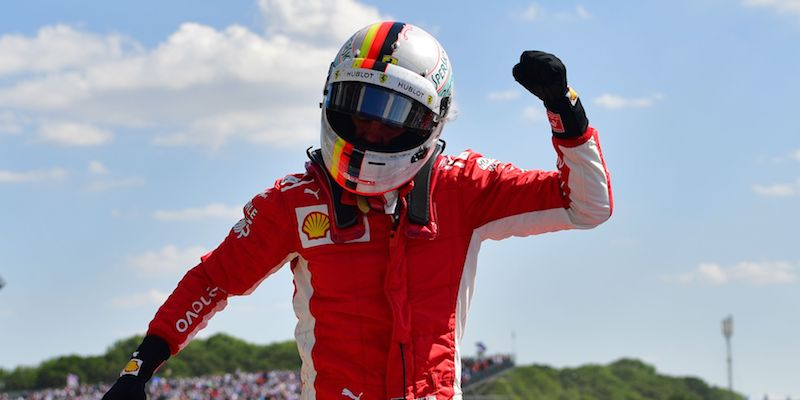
{"type": "Point", "coordinates": [624, 379]}
{"type": "Point", "coordinates": [22, 378]}
{"type": "Point", "coordinates": [218, 354]}
{"type": "Point", "coordinates": [3, 376]}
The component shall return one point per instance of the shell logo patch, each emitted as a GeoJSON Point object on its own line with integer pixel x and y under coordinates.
{"type": "Point", "coordinates": [132, 367]}
{"type": "Point", "coordinates": [316, 225]}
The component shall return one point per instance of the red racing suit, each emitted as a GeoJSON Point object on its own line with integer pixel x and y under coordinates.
{"type": "Point", "coordinates": [381, 308]}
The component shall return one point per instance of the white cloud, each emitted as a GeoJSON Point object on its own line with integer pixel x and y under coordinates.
{"type": "Point", "coordinates": [259, 127]}
{"type": "Point", "coordinates": [73, 134]}
{"type": "Point", "coordinates": [505, 95]}
{"type": "Point", "coordinates": [9, 123]}
{"type": "Point", "coordinates": [199, 86]}
{"type": "Point", "coordinates": [194, 56]}
{"type": "Point", "coordinates": [778, 189]}
{"type": "Point", "coordinates": [615, 102]}
{"type": "Point", "coordinates": [104, 181]}
{"type": "Point", "coordinates": [782, 6]}
{"type": "Point", "coordinates": [54, 174]}
{"type": "Point", "coordinates": [152, 297]}
{"type": "Point", "coordinates": [55, 48]}
{"type": "Point", "coordinates": [114, 183]}
{"type": "Point", "coordinates": [531, 13]}
{"type": "Point", "coordinates": [195, 214]}
{"type": "Point", "coordinates": [791, 157]}
{"type": "Point", "coordinates": [534, 113]}
{"type": "Point", "coordinates": [760, 274]}
{"type": "Point", "coordinates": [582, 13]}
{"type": "Point", "coordinates": [167, 261]}
{"type": "Point", "coordinates": [97, 168]}
{"type": "Point", "coordinates": [535, 12]}
{"type": "Point", "coordinates": [319, 21]}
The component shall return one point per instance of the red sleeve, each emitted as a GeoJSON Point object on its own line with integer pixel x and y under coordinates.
{"type": "Point", "coordinates": [257, 246]}
{"type": "Point", "coordinates": [502, 200]}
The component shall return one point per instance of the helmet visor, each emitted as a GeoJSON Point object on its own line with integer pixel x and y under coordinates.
{"type": "Point", "coordinates": [374, 102]}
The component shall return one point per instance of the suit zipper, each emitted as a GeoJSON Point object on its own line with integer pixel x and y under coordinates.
{"type": "Point", "coordinates": [393, 238]}
{"type": "Point", "coordinates": [403, 361]}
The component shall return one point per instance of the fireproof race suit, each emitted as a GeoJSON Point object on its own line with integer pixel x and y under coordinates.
{"type": "Point", "coordinates": [382, 305]}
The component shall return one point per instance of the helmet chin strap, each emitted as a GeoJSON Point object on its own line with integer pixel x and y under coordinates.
{"type": "Point", "coordinates": [346, 216]}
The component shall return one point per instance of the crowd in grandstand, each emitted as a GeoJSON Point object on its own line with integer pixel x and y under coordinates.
{"type": "Point", "coordinates": [475, 369]}
{"type": "Point", "coordinates": [264, 385]}
{"type": "Point", "coordinates": [272, 385]}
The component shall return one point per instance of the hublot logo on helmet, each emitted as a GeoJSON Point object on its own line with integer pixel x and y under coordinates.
{"type": "Point", "coordinates": [410, 89]}
{"type": "Point", "coordinates": [360, 74]}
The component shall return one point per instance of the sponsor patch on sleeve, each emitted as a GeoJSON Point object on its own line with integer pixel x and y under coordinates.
{"type": "Point", "coordinates": [290, 182]}
{"type": "Point", "coordinates": [555, 122]}
{"type": "Point", "coordinates": [487, 164]}
{"type": "Point", "coordinates": [132, 367]}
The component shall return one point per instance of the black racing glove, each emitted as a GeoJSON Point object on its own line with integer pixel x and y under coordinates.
{"type": "Point", "coordinates": [145, 360]}
{"type": "Point", "coordinates": [544, 75]}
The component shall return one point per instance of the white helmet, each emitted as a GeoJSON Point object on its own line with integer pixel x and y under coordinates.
{"type": "Point", "coordinates": [399, 75]}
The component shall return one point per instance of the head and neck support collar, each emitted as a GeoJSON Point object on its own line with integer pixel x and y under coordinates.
{"type": "Point", "coordinates": [346, 217]}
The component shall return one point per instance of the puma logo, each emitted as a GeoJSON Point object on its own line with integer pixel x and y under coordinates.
{"type": "Point", "coordinates": [348, 393]}
{"type": "Point", "coordinates": [315, 193]}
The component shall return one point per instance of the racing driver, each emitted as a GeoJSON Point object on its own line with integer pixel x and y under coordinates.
{"type": "Point", "coordinates": [382, 230]}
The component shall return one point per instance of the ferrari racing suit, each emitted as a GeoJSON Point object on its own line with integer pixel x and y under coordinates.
{"type": "Point", "coordinates": [382, 304]}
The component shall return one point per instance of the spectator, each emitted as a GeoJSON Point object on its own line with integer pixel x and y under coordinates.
{"type": "Point", "coordinates": [269, 385]}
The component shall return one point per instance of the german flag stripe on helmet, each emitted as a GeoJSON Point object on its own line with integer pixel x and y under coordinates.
{"type": "Point", "coordinates": [368, 39]}
{"type": "Point", "coordinates": [379, 66]}
{"type": "Point", "coordinates": [345, 162]}
{"type": "Point", "coordinates": [391, 39]}
{"type": "Point", "coordinates": [375, 33]}
{"type": "Point", "coordinates": [368, 63]}
{"type": "Point", "coordinates": [354, 166]}
{"type": "Point", "coordinates": [336, 158]}
{"type": "Point", "coordinates": [378, 40]}
{"type": "Point", "coordinates": [378, 43]}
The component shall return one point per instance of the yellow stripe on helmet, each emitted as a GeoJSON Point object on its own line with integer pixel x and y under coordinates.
{"type": "Point", "coordinates": [367, 43]}
{"type": "Point", "coordinates": [337, 155]}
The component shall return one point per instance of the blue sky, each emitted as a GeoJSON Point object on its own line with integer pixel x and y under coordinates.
{"type": "Point", "coordinates": [131, 134]}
